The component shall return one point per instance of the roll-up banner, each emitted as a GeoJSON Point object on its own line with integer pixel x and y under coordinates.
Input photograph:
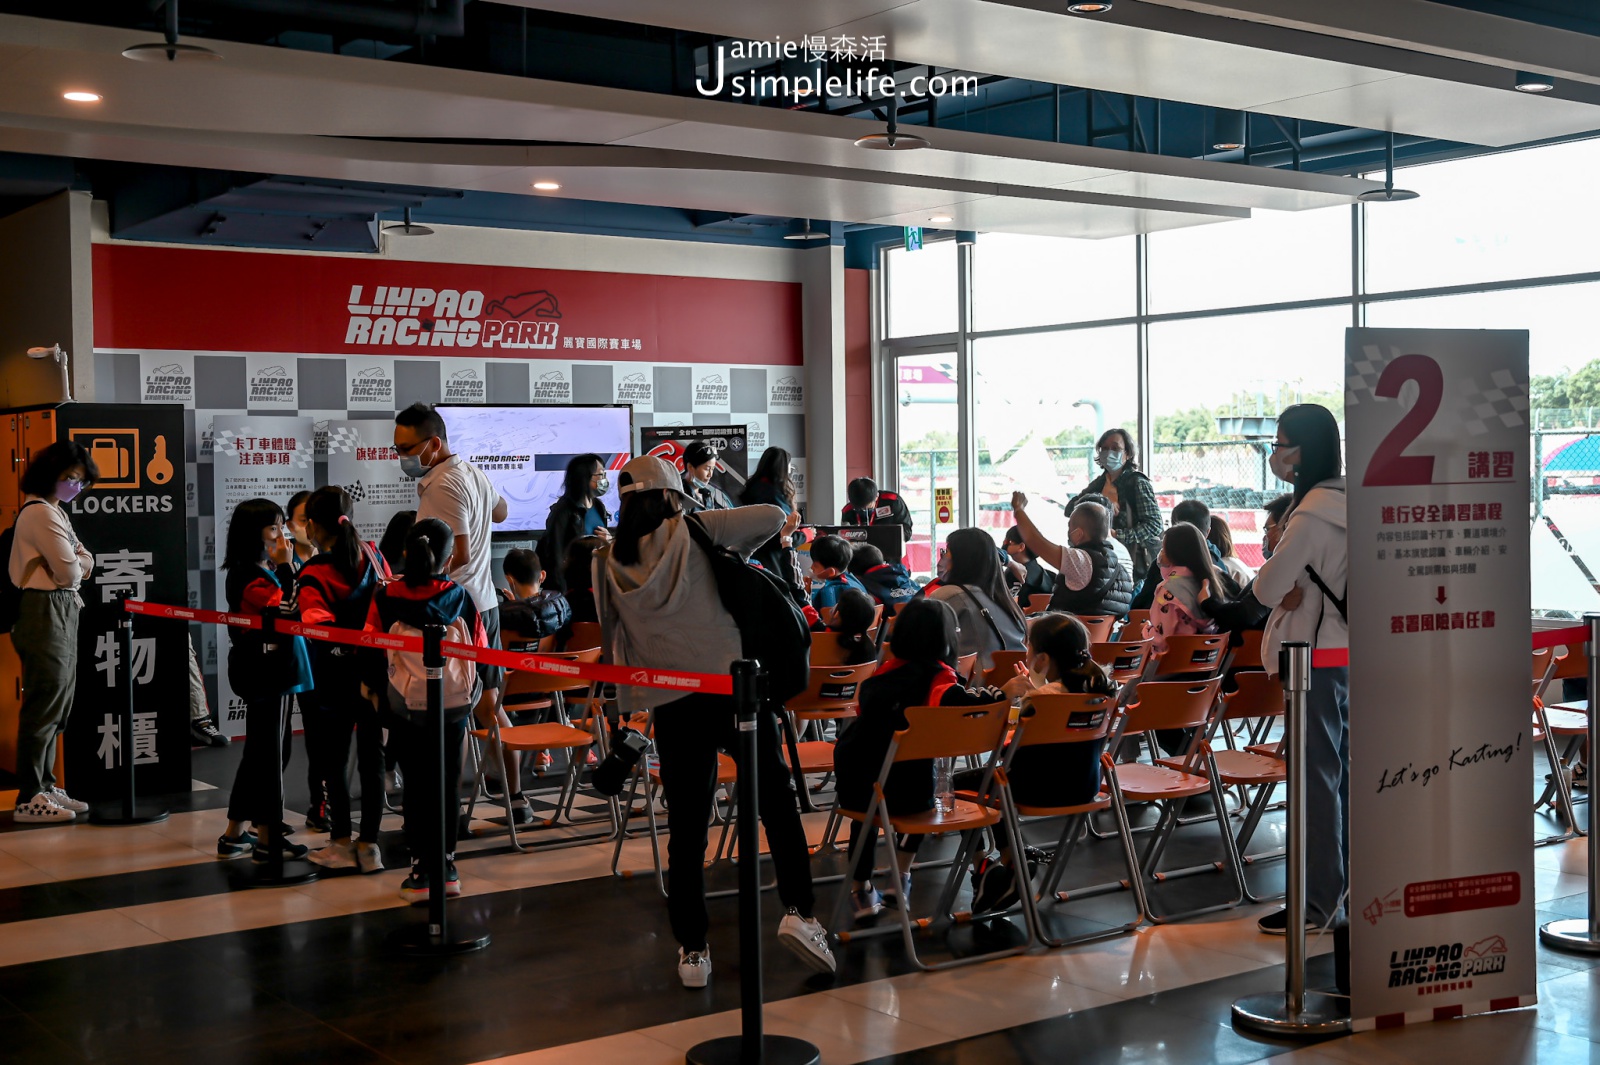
{"type": "Point", "coordinates": [731, 443]}
{"type": "Point", "coordinates": [362, 461]}
{"type": "Point", "coordinates": [133, 522]}
{"type": "Point", "coordinates": [1441, 903]}
{"type": "Point", "coordinates": [253, 458]}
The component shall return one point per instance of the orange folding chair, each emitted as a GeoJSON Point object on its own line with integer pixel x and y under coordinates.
{"type": "Point", "coordinates": [1247, 652]}
{"type": "Point", "coordinates": [1038, 603]}
{"type": "Point", "coordinates": [826, 651]}
{"type": "Point", "coordinates": [832, 693]}
{"type": "Point", "coordinates": [1124, 659]}
{"type": "Point", "coordinates": [966, 665]}
{"type": "Point", "coordinates": [1552, 723]}
{"type": "Point", "coordinates": [1136, 626]}
{"type": "Point", "coordinates": [1099, 626]}
{"type": "Point", "coordinates": [1003, 667]}
{"type": "Point", "coordinates": [1174, 705]}
{"type": "Point", "coordinates": [935, 732]}
{"type": "Point", "coordinates": [585, 635]}
{"type": "Point", "coordinates": [1199, 657]}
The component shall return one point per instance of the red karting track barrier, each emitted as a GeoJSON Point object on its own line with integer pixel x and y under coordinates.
{"type": "Point", "coordinates": [669, 679]}
{"type": "Point", "coordinates": [1575, 634]}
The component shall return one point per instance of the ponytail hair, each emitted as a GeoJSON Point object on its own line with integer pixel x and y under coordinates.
{"type": "Point", "coordinates": [1064, 640]}
{"type": "Point", "coordinates": [428, 546]}
{"type": "Point", "coordinates": [853, 616]}
{"type": "Point", "coordinates": [330, 508]}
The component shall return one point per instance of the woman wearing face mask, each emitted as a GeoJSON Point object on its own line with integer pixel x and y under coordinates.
{"type": "Point", "coordinates": [48, 563]}
{"type": "Point", "coordinates": [699, 463]}
{"type": "Point", "coordinates": [1135, 516]}
{"type": "Point", "coordinates": [1304, 584]}
{"type": "Point", "coordinates": [578, 513]}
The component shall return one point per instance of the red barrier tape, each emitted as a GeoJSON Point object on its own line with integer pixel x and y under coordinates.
{"type": "Point", "coordinates": [668, 679]}
{"type": "Point", "coordinates": [1575, 635]}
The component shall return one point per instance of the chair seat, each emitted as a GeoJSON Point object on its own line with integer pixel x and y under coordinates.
{"type": "Point", "coordinates": [1567, 722]}
{"type": "Point", "coordinates": [543, 737]}
{"type": "Point", "coordinates": [816, 756]}
{"type": "Point", "coordinates": [1101, 802]}
{"type": "Point", "coordinates": [1248, 767]}
{"type": "Point", "coordinates": [1154, 783]}
{"type": "Point", "coordinates": [828, 714]}
{"type": "Point", "coordinates": [966, 815]}
{"type": "Point", "coordinates": [1268, 749]}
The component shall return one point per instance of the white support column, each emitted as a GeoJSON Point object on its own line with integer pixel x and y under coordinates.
{"type": "Point", "coordinates": [822, 318]}
{"type": "Point", "coordinates": [46, 298]}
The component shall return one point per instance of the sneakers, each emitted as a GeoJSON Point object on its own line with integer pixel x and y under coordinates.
{"type": "Point", "coordinates": [415, 888]}
{"type": "Point", "coordinates": [694, 967]}
{"type": "Point", "coordinates": [521, 810]}
{"type": "Point", "coordinates": [542, 762]}
{"type": "Point", "coordinates": [807, 940]}
{"type": "Point", "coordinates": [369, 857]}
{"type": "Point", "coordinates": [868, 902]}
{"type": "Point", "coordinates": [317, 818]}
{"type": "Point", "coordinates": [203, 732]}
{"type": "Point", "coordinates": [994, 886]}
{"type": "Point", "coordinates": [899, 896]}
{"type": "Point", "coordinates": [40, 810]}
{"type": "Point", "coordinates": [452, 882]}
{"type": "Point", "coordinates": [235, 846]}
{"type": "Point", "coordinates": [340, 854]}
{"type": "Point", "coordinates": [289, 852]}
{"type": "Point", "coordinates": [1276, 923]}
{"type": "Point", "coordinates": [67, 802]}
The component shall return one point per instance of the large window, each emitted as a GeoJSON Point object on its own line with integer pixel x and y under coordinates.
{"type": "Point", "coordinates": [1023, 281]}
{"type": "Point", "coordinates": [922, 290]}
{"type": "Point", "coordinates": [1272, 257]}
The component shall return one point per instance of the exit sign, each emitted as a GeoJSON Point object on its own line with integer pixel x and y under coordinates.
{"type": "Point", "coordinates": [913, 238]}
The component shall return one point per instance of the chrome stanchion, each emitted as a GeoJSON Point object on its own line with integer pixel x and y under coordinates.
{"type": "Point", "coordinates": [1581, 935]}
{"type": "Point", "coordinates": [1296, 1012]}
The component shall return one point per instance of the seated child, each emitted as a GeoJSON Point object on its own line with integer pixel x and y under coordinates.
{"type": "Point", "coordinates": [528, 609]}
{"type": "Point", "coordinates": [830, 565]}
{"type": "Point", "coordinates": [887, 582]}
{"type": "Point", "coordinates": [1185, 562]}
{"type": "Point", "coordinates": [852, 618]}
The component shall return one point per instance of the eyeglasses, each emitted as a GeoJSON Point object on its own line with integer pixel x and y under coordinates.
{"type": "Point", "coordinates": [1279, 445]}
{"type": "Point", "coordinates": [410, 449]}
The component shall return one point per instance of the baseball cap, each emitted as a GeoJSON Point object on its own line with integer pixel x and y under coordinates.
{"type": "Point", "coordinates": [648, 473]}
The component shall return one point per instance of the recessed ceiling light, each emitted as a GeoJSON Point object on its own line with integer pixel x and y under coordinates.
{"type": "Point", "coordinates": [1527, 82]}
{"type": "Point", "coordinates": [941, 219]}
{"type": "Point", "coordinates": [547, 186]}
{"type": "Point", "coordinates": [82, 97]}
{"type": "Point", "coordinates": [1090, 8]}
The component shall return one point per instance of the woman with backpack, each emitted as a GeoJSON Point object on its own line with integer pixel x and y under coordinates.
{"type": "Point", "coordinates": [335, 587]}
{"type": "Point", "coordinates": [397, 681]}
{"type": "Point", "coordinates": [660, 607]}
{"type": "Point", "coordinates": [975, 588]}
{"type": "Point", "coordinates": [47, 564]}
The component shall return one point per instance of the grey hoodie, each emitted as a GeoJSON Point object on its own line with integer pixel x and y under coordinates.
{"type": "Point", "coordinates": [663, 612]}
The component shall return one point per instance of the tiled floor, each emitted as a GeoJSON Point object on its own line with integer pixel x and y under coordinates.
{"type": "Point", "coordinates": [136, 945]}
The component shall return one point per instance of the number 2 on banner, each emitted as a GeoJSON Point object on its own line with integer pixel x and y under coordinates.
{"type": "Point", "coordinates": [1390, 465]}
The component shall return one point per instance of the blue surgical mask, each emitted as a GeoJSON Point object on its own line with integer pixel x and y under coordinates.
{"type": "Point", "coordinates": [1110, 461]}
{"type": "Point", "coordinates": [411, 466]}
{"type": "Point", "coordinates": [603, 487]}
{"type": "Point", "coordinates": [1266, 552]}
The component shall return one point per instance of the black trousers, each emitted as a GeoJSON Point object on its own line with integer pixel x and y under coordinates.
{"type": "Point", "coordinates": [338, 715]}
{"type": "Point", "coordinates": [689, 733]}
{"type": "Point", "coordinates": [257, 794]}
{"type": "Point", "coordinates": [310, 727]}
{"type": "Point", "coordinates": [418, 750]}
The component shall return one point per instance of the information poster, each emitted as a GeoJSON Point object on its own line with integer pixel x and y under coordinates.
{"type": "Point", "coordinates": [1441, 912]}
{"type": "Point", "coordinates": [361, 460]}
{"type": "Point", "coordinates": [731, 443]}
{"type": "Point", "coordinates": [133, 522]}
{"type": "Point", "coordinates": [253, 458]}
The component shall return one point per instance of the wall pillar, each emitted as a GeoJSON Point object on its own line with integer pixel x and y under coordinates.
{"type": "Point", "coordinates": [46, 297]}
{"type": "Point", "coordinates": [823, 339]}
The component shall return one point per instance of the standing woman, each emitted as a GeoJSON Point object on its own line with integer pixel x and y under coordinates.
{"type": "Point", "coordinates": [699, 464]}
{"type": "Point", "coordinates": [578, 513]}
{"type": "Point", "coordinates": [259, 574]}
{"type": "Point", "coordinates": [989, 620]}
{"type": "Point", "coordinates": [1307, 568]}
{"type": "Point", "coordinates": [48, 563]}
{"type": "Point", "coordinates": [1135, 515]}
{"type": "Point", "coordinates": [773, 484]}
{"type": "Point", "coordinates": [660, 607]}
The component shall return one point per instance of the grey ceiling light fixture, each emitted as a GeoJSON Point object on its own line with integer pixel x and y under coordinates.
{"type": "Point", "coordinates": [408, 228]}
{"type": "Point", "coordinates": [1387, 194]}
{"type": "Point", "coordinates": [892, 140]}
{"type": "Point", "coordinates": [807, 233]}
{"type": "Point", "coordinates": [169, 50]}
{"type": "Point", "coordinates": [1090, 8]}
{"type": "Point", "coordinates": [1229, 132]}
{"type": "Point", "coordinates": [1529, 82]}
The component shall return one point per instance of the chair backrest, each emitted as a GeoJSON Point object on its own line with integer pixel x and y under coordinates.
{"type": "Point", "coordinates": [826, 650]}
{"type": "Point", "coordinates": [1192, 656]}
{"type": "Point", "coordinates": [1247, 655]}
{"type": "Point", "coordinates": [1573, 665]}
{"type": "Point", "coordinates": [1257, 695]}
{"type": "Point", "coordinates": [1099, 626]}
{"type": "Point", "coordinates": [522, 682]}
{"type": "Point", "coordinates": [1003, 666]}
{"type": "Point", "coordinates": [952, 731]}
{"type": "Point", "coordinates": [1065, 718]}
{"type": "Point", "coordinates": [834, 688]}
{"type": "Point", "coordinates": [1171, 704]}
{"type": "Point", "coordinates": [1135, 625]}
{"type": "Point", "coordinates": [585, 634]}
{"type": "Point", "coordinates": [965, 665]}
{"type": "Point", "coordinates": [543, 645]}
{"type": "Point", "coordinates": [1039, 602]}
{"type": "Point", "coordinates": [1545, 661]}
{"type": "Point", "coordinates": [1124, 658]}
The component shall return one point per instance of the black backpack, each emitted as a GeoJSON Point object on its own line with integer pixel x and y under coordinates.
{"type": "Point", "coordinates": [10, 594]}
{"type": "Point", "coordinates": [772, 630]}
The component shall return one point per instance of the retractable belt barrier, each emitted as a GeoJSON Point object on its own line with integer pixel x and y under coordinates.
{"type": "Point", "coordinates": [668, 679]}
{"type": "Point", "coordinates": [1574, 634]}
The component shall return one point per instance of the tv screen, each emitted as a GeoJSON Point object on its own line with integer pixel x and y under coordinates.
{"type": "Point", "coordinates": [524, 450]}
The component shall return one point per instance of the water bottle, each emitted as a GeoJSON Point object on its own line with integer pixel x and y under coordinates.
{"type": "Point", "coordinates": [944, 786]}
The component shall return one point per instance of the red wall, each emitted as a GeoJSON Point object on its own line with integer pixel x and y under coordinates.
{"type": "Point", "coordinates": [858, 411]}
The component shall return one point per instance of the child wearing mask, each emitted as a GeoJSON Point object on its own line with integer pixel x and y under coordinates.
{"type": "Point", "coordinates": [920, 671]}
{"type": "Point", "coordinates": [1049, 774]}
{"type": "Point", "coordinates": [527, 608]}
{"type": "Point", "coordinates": [887, 582]}
{"type": "Point", "coordinates": [830, 566]}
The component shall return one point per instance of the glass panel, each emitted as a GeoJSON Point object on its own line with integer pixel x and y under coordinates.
{"type": "Point", "coordinates": [927, 423]}
{"type": "Point", "coordinates": [1565, 420]}
{"type": "Point", "coordinates": [1042, 401]}
{"type": "Point", "coordinates": [1216, 386]}
{"type": "Point", "coordinates": [1515, 214]}
{"type": "Point", "coordinates": [1021, 281]}
{"type": "Point", "coordinates": [922, 290]}
{"type": "Point", "coordinates": [1271, 257]}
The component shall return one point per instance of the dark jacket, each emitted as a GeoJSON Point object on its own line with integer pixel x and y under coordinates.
{"type": "Point", "coordinates": [1237, 614]}
{"type": "Point", "coordinates": [890, 510]}
{"type": "Point", "coordinates": [890, 585]}
{"type": "Point", "coordinates": [438, 602]}
{"type": "Point", "coordinates": [324, 595]}
{"type": "Point", "coordinates": [256, 674]}
{"type": "Point", "coordinates": [1038, 581]}
{"type": "Point", "coordinates": [1137, 522]}
{"type": "Point", "coordinates": [1110, 587]}
{"type": "Point", "coordinates": [562, 526]}
{"type": "Point", "coordinates": [545, 613]}
{"type": "Point", "coordinates": [772, 555]}
{"type": "Point", "coordinates": [709, 497]}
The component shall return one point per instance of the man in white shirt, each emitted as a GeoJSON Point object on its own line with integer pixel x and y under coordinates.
{"type": "Point", "coordinates": [461, 495]}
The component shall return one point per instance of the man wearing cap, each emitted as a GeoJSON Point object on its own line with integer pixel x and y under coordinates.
{"type": "Point", "coordinates": [659, 608]}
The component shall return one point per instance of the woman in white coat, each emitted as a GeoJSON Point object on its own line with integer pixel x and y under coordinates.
{"type": "Point", "coordinates": [1304, 582]}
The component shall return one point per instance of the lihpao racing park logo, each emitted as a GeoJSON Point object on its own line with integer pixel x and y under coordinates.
{"type": "Point", "coordinates": [816, 65]}
{"type": "Point", "coordinates": [407, 316]}
{"type": "Point", "coordinates": [1420, 966]}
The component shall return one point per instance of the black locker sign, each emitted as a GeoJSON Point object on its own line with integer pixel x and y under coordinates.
{"type": "Point", "coordinates": [133, 522]}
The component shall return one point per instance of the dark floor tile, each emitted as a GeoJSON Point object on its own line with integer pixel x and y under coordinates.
{"type": "Point", "coordinates": [310, 1043]}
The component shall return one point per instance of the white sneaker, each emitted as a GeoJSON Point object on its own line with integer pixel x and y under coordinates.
{"type": "Point", "coordinates": [40, 810]}
{"type": "Point", "coordinates": [369, 858]}
{"type": "Point", "coordinates": [67, 802]}
{"type": "Point", "coordinates": [337, 855]}
{"type": "Point", "coordinates": [808, 940]}
{"type": "Point", "coordinates": [694, 967]}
